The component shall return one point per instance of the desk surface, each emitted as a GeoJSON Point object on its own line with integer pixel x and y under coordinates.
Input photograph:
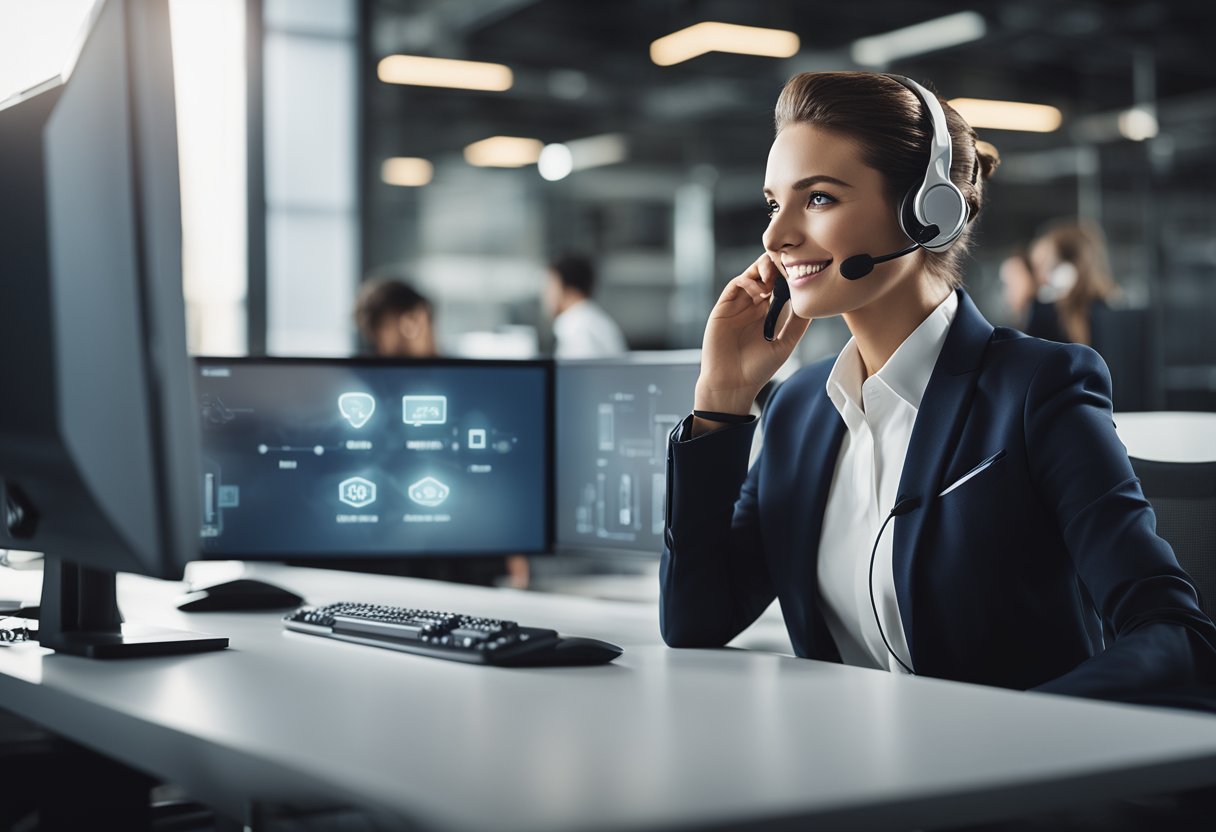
{"type": "Point", "coordinates": [1168, 436]}
{"type": "Point", "coordinates": [660, 739]}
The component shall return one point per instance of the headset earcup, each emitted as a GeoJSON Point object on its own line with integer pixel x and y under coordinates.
{"type": "Point", "coordinates": [907, 214]}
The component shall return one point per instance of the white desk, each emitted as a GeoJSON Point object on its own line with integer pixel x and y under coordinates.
{"type": "Point", "coordinates": [660, 739]}
{"type": "Point", "coordinates": [1168, 436]}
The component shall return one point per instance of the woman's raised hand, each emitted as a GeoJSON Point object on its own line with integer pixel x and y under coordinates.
{"type": "Point", "coordinates": [736, 360]}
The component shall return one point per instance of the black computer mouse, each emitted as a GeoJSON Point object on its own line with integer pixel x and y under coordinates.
{"type": "Point", "coordinates": [240, 595]}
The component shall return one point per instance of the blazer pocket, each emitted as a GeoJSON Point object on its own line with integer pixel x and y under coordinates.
{"type": "Point", "coordinates": [974, 472]}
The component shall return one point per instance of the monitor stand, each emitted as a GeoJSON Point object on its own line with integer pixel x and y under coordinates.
{"type": "Point", "coordinates": [79, 616]}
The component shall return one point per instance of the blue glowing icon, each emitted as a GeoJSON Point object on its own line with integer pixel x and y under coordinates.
{"type": "Point", "coordinates": [356, 408]}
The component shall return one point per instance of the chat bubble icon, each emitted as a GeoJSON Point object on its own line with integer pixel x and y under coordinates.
{"type": "Point", "coordinates": [424, 410]}
{"type": "Point", "coordinates": [356, 408]}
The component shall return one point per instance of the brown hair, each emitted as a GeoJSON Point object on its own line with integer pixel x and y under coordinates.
{"type": "Point", "coordinates": [888, 122]}
{"type": "Point", "coordinates": [381, 297]}
{"type": "Point", "coordinates": [1082, 244]}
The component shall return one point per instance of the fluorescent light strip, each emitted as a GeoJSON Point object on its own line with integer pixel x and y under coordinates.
{"type": "Point", "coordinates": [723, 37]}
{"type": "Point", "coordinates": [1008, 115]}
{"type": "Point", "coordinates": [503, 152]}
{"type": "Point", "coordinates": [407, 171]}
{"type": "Point", "coordinates": [940, 33]}
{"type": "Point", "coordinates": [418, 71]}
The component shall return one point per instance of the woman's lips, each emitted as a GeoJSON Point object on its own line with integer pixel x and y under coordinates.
{"type": "Point", "coordinates": [803, 273]}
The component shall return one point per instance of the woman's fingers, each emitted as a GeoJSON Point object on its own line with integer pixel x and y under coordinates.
{"type": "Point", "coordinates": [769, 271]}
{"type": "Point", "coordinates": [793, 327]}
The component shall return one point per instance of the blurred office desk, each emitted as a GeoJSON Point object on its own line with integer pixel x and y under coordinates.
{"type": "Point", "coordinates": [1168, 436]}
{"type": "Point", "coordinates": [661, 739]}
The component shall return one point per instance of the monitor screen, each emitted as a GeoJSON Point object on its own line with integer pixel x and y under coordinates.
{"type": "Point", "coordinates": [323, 457]}
{"type": "Point", "coordinates": [613, 419]}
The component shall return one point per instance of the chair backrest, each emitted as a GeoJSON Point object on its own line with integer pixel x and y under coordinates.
{"type": "Point", "coordinates": [1123, 337]}
{"type": "Point", "coordinates": [1183, 496]}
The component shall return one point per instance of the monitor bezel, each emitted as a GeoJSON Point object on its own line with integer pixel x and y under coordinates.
{"type": "Point", "coordinates": [550, 461]}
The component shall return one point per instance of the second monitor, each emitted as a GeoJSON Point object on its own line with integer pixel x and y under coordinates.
{"type": "Point", "coordinates": [613, 420]}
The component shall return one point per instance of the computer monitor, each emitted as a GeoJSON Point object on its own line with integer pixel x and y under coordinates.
{"type": "Point", "coordinates": [98, 445]}
{"type": "Point", "coordinates": [613, 419]}
{"type": "Point", "coordinates": [328, 458]}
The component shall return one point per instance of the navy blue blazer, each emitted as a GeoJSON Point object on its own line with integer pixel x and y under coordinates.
{"type": "Point", "coordinates": [1011, 579]}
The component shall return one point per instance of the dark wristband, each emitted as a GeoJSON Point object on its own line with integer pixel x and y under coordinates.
{"type": "Point", "coordinates": [724, 418]}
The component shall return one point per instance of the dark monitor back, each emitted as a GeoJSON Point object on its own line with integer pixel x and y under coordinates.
{"type": "Point", "coordinates": [97, 447]}
{"type": "Point", "coordinates": [613, 420]}
{"type": "Point", "coordinates": [331, 458]}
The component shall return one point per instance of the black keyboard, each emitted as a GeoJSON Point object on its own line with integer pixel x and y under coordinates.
{"type": "Point", "coordinates": [449, 635]}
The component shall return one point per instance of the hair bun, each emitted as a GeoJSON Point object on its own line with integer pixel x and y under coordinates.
{"type": "Point", "coordinates": [989, 156]}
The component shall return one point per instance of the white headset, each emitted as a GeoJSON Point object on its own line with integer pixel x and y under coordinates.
{"type": "Point", "coordinates": [935, 200]}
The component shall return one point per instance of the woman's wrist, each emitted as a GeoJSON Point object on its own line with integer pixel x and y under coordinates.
{"type": "Point", "coordinates": [734, 403]}
{"type": "Point", "coordinates": [716, 411]}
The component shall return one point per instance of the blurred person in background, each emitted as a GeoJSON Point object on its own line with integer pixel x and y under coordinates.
{"type": "Point", "coordinates": [1018, 286]}
{"type": "Point", "coordinates": [581, 328]}
{"type": "Point", "coordinates": [394, 319]}
{"type": "Point", "coordinates": [397, 321]}
{"type": "Point", "coordinates": [1072, 280]}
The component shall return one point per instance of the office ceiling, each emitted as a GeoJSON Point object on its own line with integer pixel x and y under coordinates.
{"type": "Point", "coordinates": [582, 68]}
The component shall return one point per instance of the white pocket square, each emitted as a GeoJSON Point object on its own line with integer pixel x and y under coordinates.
{"type": "Point", "coordinates": [987, 463]}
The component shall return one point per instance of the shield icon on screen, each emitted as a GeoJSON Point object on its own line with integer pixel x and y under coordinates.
{"type": "Point", "coordinates": [356, 408]}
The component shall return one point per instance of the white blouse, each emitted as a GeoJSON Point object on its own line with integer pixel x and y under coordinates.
{"type": "Point", "coordinates": [879, 414]}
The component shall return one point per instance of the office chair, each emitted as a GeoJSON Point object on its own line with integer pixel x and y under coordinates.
{"type": "Point", "coordinates": [1124, 339]}
{"type": "Point", "coordinates": [1183, 495]}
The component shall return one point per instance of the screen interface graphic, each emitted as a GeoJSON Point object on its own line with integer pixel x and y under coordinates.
{"type": "Point", "coordinates": [613, 420]}
{"type": "Point", "coordinates": [332, 458]}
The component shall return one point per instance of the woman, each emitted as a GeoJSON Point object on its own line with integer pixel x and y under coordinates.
{"type": "Point", "coordinates": [1019, 530]}
{"type": "Point", "coordinates": [1072, 276]}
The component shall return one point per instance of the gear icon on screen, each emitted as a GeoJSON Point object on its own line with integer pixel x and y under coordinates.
{"type": "Point", "coordinates": [428, 491]}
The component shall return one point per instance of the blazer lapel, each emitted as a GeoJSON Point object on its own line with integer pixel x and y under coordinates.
{"type": "Point", "coordinates": [823, 431]}
{"type": "Point", "coordinates": [934, 435]}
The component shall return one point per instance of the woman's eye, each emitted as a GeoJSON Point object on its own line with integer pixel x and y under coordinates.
{"type": "Point", "coordinates": [818, 199]}
{"type": "Point", "coordinates": [771, 205]}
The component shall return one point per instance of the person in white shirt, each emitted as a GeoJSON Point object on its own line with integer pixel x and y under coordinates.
{"type": "Point", "coordinates": [944, 498]}
{"type": "Point", "coordinates": [581, 328]}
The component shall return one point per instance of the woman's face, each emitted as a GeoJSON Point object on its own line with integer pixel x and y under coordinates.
{"type": "Point", "coordinates": [826, 205]}
{"type": "Point", "coordinates": [1043, 258]}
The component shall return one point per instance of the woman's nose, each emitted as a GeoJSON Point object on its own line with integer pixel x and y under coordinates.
{"type": "Point", "coordinates": [782, 232]}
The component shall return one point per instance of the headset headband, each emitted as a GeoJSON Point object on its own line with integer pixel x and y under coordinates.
{"type": "Point", "coordinates": [937, 200]}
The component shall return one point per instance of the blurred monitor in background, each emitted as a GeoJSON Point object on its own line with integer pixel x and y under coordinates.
{"type": "Point", "coordinates": [581, 327]}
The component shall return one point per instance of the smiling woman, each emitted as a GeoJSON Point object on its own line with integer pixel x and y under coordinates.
{"type": "Point", "coordinates": [1020, 536]}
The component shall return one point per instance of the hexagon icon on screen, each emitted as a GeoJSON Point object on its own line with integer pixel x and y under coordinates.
{"type": "Point", "coordinates": [356, 408]}
{"type": "Point", "coordinates": [357, 492]}
{"type": "Point", "coordinates": [429, 492]}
